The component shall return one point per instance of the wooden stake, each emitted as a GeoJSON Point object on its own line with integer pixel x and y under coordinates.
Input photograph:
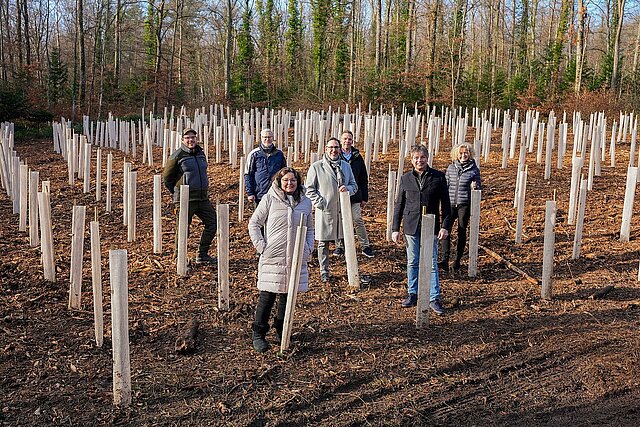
{"type": "Point", "coordinates": [34, 233]}
{"type": "Point", "coordinates": [120, 327]}
{"type": "Point", "coordinates": [183, 230]}
{"type": "Point", "coordinates": [627, 211]}
{"type": "Point", "coordinates": [577, 239]}
{"type": "Point", "coordinates": [46, 244]}
{"type": "Point", "coordinates": [549, 243]}
{"type": "Point", "coordinates": [349, 240]}
{"type": "Point", "coordinates": [241, 190]}
{"type": "Point", "coordinates": [424, 269]}
{"type": "Point", "coordinates": [96, 280]}
{"type": "Point", "coordinates": [223, 256]}
{"type": "Point", "coordinates": [98, 174]}
{"type": "Point", "coordinates": [77, 251]}
{"type": "Point", "coordinates": [293, 284]}
{"type": "Point", "coordinates": [391, 180]}
{"type": "Point", "coordinates": [131, 206]}
{"type": "Point", "coordinates": [157, 214]}
{"type": "Point", "coordinates": [474, 232]}
{"type": "Point", "coordinates": [23, 196]}
{"type": "Point", "coordinates": [109, 176]}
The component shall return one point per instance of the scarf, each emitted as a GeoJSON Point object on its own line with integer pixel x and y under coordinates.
{"type": "Point", "coordinates": [335, 165]}
{"type": "Point", "coordinates": [463, 166]}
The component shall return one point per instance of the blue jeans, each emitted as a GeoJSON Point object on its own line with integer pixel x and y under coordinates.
{"type": "Point", "coordinates": [413, 262]}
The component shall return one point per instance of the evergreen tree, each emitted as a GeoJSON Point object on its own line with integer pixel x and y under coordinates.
{"type": "Point", "coordinates": [57, 78]}
{"type": "Point", "coordinates": [293, 43]}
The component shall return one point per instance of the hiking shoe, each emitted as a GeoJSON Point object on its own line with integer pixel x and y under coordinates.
{"type": "Point", "coordinates": [205, 259]}
{"type": "Point", "coordinates": [437, 307]}
{"type": "Point", "coordinates": [365, 280]}
{"type": "Point", "coordinates": [410, 301]}
{"type": "Point", "coordinates": [324, 277]}
{"type": "Point", "coordinates": [368, 252]}
{"type": "Point", "coordinates": [338, 252]}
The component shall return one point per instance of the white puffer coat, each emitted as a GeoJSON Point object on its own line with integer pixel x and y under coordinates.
{"type": "Point", "coordinates": [280, 218]}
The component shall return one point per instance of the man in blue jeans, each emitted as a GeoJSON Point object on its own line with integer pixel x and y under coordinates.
{"type": "Point", "coordinates": [422, 187]}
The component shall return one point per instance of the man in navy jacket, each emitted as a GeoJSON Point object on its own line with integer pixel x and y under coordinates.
{"type": "Point", "coordinates": [262, 163]}
{"type": "Point", "coordinates": [422, 187]}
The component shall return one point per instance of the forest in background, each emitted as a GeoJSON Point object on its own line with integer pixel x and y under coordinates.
{"type": "Point", "coordinates": [76, 57]}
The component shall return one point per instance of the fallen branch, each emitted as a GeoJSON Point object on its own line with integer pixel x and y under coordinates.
{"type": "Point", "coordinates": [186, 343]}
{"type": "Point", "coordinates": [601, 292]}
{"type": "Point", "coordinates": [510, 265]}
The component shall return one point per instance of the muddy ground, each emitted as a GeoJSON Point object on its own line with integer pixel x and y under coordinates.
{"type": "Point", "coordinates": [500, 356]}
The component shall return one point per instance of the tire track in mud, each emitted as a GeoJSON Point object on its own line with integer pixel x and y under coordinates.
{"type": "Point", "coordinates": [521, 373]}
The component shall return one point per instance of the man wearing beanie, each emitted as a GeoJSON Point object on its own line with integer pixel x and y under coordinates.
{"type": "Point", "coordinates": [188, 166]}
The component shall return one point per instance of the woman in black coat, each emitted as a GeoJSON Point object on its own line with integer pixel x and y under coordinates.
{"type": "Point", "coordinates": [462, 176]}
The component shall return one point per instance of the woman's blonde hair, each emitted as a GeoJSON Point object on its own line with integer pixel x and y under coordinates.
{"type": "Point", "coordinates": [456, 150]}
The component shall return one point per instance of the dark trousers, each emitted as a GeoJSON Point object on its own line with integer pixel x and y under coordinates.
{"type": "Point", "coordinates": [462, 213]}
{"type": "Point", "coordinates": [203, 209]}
{"type": "Point", "coordinates": [266, 301]}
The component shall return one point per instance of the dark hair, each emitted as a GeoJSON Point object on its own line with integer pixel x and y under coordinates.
{"type": "Point", "coordinates": [282, 172]}
{"type": "Point", "coordinates": [333, 138]}
{"type": "Point", "coordinates": [347, 131]}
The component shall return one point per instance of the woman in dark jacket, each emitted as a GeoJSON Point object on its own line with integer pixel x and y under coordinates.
{"type": "Point", "coordinates": [462, 176]}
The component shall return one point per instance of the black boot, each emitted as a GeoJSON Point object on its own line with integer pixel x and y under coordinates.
{"type": "Point", "coordinates": [260, 344]}
{"type": "Point", "coordinates": [279, 322]}
{"type": "Point", "coordinates": [260, 326]}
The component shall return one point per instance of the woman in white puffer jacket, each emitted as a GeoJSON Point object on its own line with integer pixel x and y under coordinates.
{"type": "Point", "coordinates": [279, 212]}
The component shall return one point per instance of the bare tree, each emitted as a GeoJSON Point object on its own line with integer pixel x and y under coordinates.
{"type": "Point", "coordinates": [431, 61]}
{"type": "Point", "coordinates": [616, 23]}
{"type": "Point", "coordinates": [582, 10]}
{"type": "Point", "coordinates": [117, 54]}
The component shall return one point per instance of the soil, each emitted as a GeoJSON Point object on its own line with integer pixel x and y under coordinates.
{"type": "Point", "coordinates": [500, 355]}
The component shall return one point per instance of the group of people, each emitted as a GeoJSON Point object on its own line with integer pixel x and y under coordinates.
{"type": "Point", "coordinates": [282, 202]}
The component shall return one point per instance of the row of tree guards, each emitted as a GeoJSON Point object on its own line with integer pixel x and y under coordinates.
{"type": "Point", "coordinates": [376, 130]}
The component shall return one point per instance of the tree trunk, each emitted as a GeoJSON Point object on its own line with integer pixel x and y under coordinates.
{"type": "Point", "coordinates": [409, 37]}
{"type": "Point", "coordinates": [3, 61]}
{"type": "Point", "coordinates": [532, 39]}
{"type": "Point", "coordinates": [378, 20]}
{"type": "Point", "coordinates": [158, 59]}
{"type": "Point", "coordinates": [27, 41]}
{"type": "Point", "coordinates": [81, 53]}
{"type": "Point", "coordinates": [173, 52]}
{"type": "Point", "coordinates": [352, 46]}
{"type": "Point", "coordinates": [579, 47]}
{"type": "Point", "coordinates": [494, 28]}
{"type": "Point", "coordinates": [227, 53]}
{"type": "Point", "coordinates": [619, 12]}
{"type": "Point", "coordinates": [117, 54]}
{"type": "Point", "coordinates": [636, 53]}
{"type": "Point", "coordinates": [433, 19]}
{"type": "Point", "coordinates": [98, 46]}
{"type": "Point", "coordinates": [18, 33]}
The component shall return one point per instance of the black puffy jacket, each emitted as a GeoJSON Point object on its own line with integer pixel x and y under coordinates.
{"type": "Point", "coordinates": [187, 167]}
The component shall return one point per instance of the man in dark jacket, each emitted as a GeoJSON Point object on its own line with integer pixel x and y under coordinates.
{"type": "Point", "coordinates": [188, 166]}
{"type": "Point", "coordinates": [352, 156]}
{"type": "Point", "coordinates": [422, 187]}
{"type": "Point", "coordinates": [262, 163]}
